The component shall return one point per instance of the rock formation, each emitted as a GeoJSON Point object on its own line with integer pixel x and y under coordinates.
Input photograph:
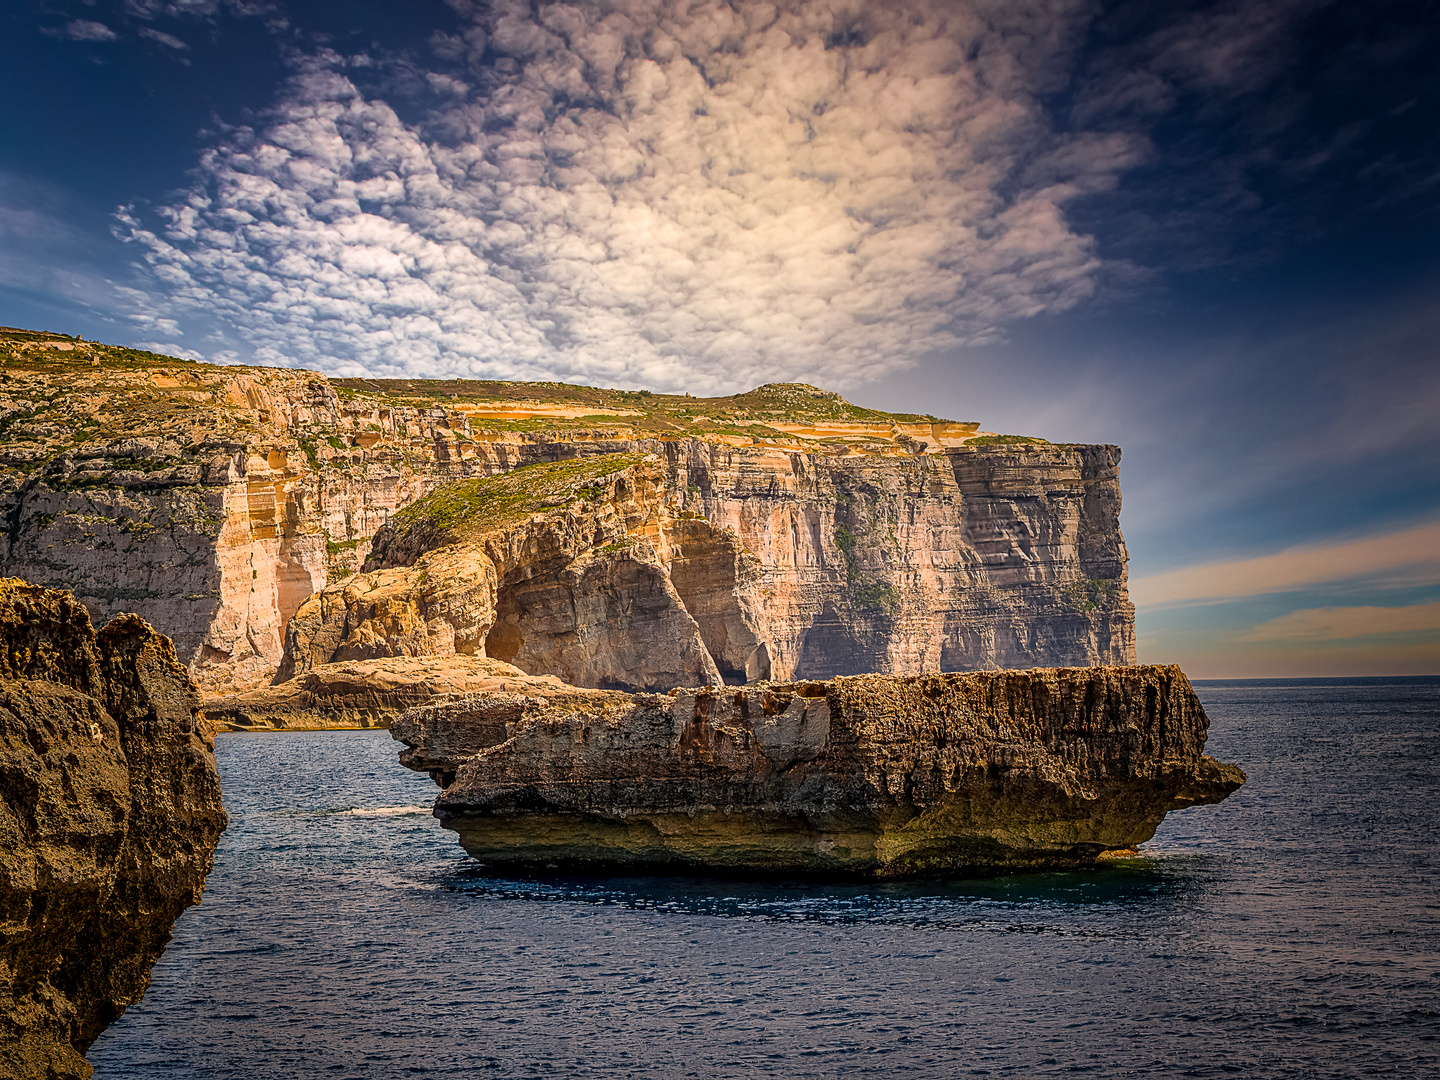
{"type": "Point", "coordinates": [109, 816]}
{"type": "Point", "coordinates": [809, 537]}
{"type": "Point", "coordinates": [871, 775]}
{"type": "Point", "coordinates": [367, 693]}
{"type": "Point", "coordinates": [562, 570]}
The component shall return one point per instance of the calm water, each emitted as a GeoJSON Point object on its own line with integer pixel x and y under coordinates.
{"type": "Point", "coordinates": [1293, 931]}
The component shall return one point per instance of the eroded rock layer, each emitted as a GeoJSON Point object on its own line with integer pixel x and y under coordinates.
{"type": "Point", "coordinates": [109, 816]}
{"type": "Point", "coordinates": [825, 538]}
{"type": "Point", "coordinates": [368, 693]}
{"type": "Point", "coordinates": [869, 775]}
{"type": "Point", "coordinates": [561, 570]}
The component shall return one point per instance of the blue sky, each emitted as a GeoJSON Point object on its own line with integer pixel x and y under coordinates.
{"type": "Point", "coordinates": [1206, 232]}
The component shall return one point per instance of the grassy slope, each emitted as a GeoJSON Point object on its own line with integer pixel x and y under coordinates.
{"type": "Point", "coordinates": [466, 507]}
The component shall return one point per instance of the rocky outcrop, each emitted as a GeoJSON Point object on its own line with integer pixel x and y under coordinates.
{"type": "Point", "coordinates": [109, 816]}
{"type": "Point", "coordinates": [369, 693]}
{"type": "Point", "coordinates": [826, 538]}
{"type": "Point", "coordinates": [591, 571]}
{"type": "Point", "coordinates": [562, 570]}
{"type": "Point", "coordinates": [871, 775]}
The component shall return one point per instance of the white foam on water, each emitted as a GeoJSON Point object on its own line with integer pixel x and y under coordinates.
{"type": "Point", "coordinates": [383, 811]}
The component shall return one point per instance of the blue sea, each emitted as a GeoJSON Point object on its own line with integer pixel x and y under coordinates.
{"type": "Point", "coordinates": [1292, 931]}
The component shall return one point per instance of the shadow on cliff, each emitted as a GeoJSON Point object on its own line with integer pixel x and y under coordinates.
{"type": "Point", "coordinates": [1014, 903]}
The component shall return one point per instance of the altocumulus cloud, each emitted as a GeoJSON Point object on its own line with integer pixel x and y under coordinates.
{"type": "Point", "coordinates": [702, 194]}
{"type": "Point", "coordinates": [88, 30]}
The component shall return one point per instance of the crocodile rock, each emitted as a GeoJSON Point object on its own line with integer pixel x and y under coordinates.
{"type": "Point", "coordinates": [869, 775]}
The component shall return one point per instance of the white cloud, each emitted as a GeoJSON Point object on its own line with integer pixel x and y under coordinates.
{"type": "Point", "coordinates": [169, 348]}
{"type": "Point", "coordinates": [706, 196]}
{"type": "Point", "coordinates": [1413, 553]}
{"type": "Point", "coordinates": [1346, 623]}
{"type": "Point", "coordinates": [168, 40]}
{"type": "Point", "coordinates": [88, 30]}
{"type": "Point", "coordinates": [195, 9]}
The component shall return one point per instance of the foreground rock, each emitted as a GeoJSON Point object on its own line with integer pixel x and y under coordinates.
{"type": "Point", "coordinates": [109, 816]}
{"type": "Point", "coordinates": [869, 775]}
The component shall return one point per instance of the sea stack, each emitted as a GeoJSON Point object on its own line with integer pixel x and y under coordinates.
{"type": "Point", "coordinates": [109, 816]}
{"type": "Point", "coordinates": [876, 776]}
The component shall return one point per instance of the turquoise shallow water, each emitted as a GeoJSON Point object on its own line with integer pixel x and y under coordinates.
{"type": "Point", "coordinates": [1293, 931]}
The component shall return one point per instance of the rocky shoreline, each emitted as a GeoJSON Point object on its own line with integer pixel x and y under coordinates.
{"type": "Point", "coordinates": [109, 817]}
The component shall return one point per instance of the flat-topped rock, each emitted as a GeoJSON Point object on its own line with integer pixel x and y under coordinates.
{"type": "Point", "coordinates": [369, 693]}
{"type": "Point", "coordinates": [870, 775]}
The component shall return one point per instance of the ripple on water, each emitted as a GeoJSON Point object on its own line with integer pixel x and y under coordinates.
{"type": "Point", "coordinates": [1291, 932]}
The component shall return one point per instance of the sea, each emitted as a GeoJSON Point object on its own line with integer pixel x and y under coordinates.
{"type": "Point", "coordinates": [1291, 931]}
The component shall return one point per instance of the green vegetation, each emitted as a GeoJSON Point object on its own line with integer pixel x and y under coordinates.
{"type": "Point", "coordinates": [473, 506]}
{"type": "Point", "coordinates": [864, 591]}
{"type": "Point", "coordinates": [1092, 594]}
{"type": "Point", "coordinates": [747, 415]}
{"type": "Point", "coordinates": [997, 440]}
{"type": "Point", "coordinates": [59, 394]}
{"type": "Point", "coordinates": [334, 547]}
{"type": "Point", "coordinates": [625, 543]}
{"type": "Point", "coordinates": [874, 594]}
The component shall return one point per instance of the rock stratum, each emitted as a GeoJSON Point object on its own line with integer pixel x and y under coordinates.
{"type": "Point", "coordinates": [868, 776]}
{"type": "Point", "coordinates": [109, 816]}
{"type": "Point", "coordinates": [803, 536]}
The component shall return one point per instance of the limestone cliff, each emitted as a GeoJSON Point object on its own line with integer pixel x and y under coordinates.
{"type": "Point", "coordinates": [560, 569]}
{"type": "Point", "coordinates": [868, 775]}
{"type": "Point", "coordinates": [826, 538]}
{"type": "Point", "coordinates": [109, 816]}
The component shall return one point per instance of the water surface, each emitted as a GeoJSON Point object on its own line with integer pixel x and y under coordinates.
{"type": "Point", "coordinates": [1292, 931]}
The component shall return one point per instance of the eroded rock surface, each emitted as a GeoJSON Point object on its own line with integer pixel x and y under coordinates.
{"type": "Point", "coordinates": [869, 775]}
{"type": "Point", "coordinates": [591, 571]}
{"type": "Point", "coordinates": [109, 816]}
{"type": "Point", "coordinates": [826, 539]}
{"type": "Point", "coordinates": [368, 693]}
{"type": "Point", "coordinates": [561, 570]}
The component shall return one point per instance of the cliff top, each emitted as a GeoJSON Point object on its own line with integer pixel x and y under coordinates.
{"type": "Point", "coordinates": [59, 392]}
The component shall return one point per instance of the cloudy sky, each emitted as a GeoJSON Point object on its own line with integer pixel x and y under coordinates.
{"type": "Point", "coordinates": [1204, 231]}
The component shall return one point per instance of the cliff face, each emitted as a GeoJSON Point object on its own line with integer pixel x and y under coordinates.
{"type": "Point", "coordinates": [827, 538]}
{"type": "Point", "coordinates": [109, 816]}
{"type": "Point", "coordinates": [559, 569]}
{"type": "Point", "coordinates": [996, 556]}
{"type": "Point", "coordinates": [868, 775]}
{"type": "Point", "coordinates": [208, 500]}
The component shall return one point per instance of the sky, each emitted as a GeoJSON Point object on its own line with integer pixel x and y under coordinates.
{"type": "Point", "coordinates": [1203, 231]}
